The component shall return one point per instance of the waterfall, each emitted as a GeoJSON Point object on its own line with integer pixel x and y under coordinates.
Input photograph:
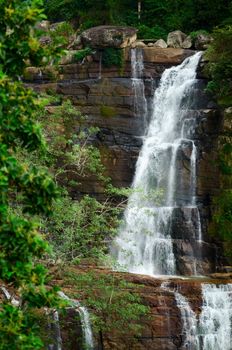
{"type": "Point", "coordinates": [85, 321]}
{"type": "Point", "coordinates": [215, 321]}
{"type": "Point", "coordinates": [189, 323]}
{"type": "Point", "coordinates": [137, 68]}
{"type": "Point", "coordinates": [144, 243]}
{"type": "Point", "coordinates": [55, 329]}
{"type": "Point", "coordinates": [213, 329]}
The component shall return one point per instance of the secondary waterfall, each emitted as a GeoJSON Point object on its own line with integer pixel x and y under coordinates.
{"type": "Point", "coordinates": [213, 329]}
{"type": "Point", "coordinates": [85, 321]}
{"type": "Point", "coordinates": [144, 243]}
{"type": "Point", "coordinates": [137, 68]}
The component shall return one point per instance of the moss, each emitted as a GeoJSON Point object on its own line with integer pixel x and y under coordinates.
{"type": "Point", "coordinates": [112, 57]}
{"type": "Point", "coordinates": [50, 73]}
{"type": "Point", "coordinates": [107, 111]}
{"type": "Point", "coordinates": [81, 54]}
{"type": "Point", "coordinates": [30, 73]}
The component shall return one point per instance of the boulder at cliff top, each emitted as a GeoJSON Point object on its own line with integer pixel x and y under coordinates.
{"type": "Point", "coordinates": [160, 43]}
{"type": "Point", "coordinates": [139, 44]}
{"type": "Point", "coordinates": [176, 39]}
{"type": "Point", "coordinates": [109, 36]}
{"type": "Point", "coordinates": [187, 44]}
{"type": "Point", "coordinates": [202, 41]}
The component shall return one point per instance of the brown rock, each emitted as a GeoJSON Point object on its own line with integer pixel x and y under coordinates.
{"type": "Point", "coordinates": [176, 39]}
{"type": "Point", "coordinates": [69, 57]}
{"type": "Point", "coordinates": [139, 44]}
{"type": "Point", "coordinates": [160, 43]}
{"type": "Point", "coordinates": [168, 55]}
{"type": "Point", "coordinates": [187, 43]}
{"type": "Point", "coordinates": [202, 41]}
{"type": "Point", "coordinates": [109, 36]}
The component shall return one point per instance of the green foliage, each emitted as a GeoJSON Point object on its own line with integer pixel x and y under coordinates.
{"type": "Point", "coordinates": [18, 330]}
{"type": "Point", "coordinates": [223, 215]}
{"type": "Point", "coordinates": [198, 32]}
{"type": "Point", "coordinates": [220, 71]}
{"type": "Point", "coordinates": [61, 9]}
{"type": "Point", "coordinates": [112, 57]}
{"type": "Point", "coordinates": [77, 229]}
{"type": "Point", "coordinates": [158, 17]}
{"type": "Point", "coordinates": [187, 16]}
{"type": "Point", "coordinates": [20, 240]}
{"type": "Point", "coordinates": [70, 153]}
{"type": "Point", "coordinates": [60, 35]}
{"type": "Point", "coordinates": [107, 111]}
{"type": "Point", "coordinates": [18, 43]}
{"type": "Point", "coordinates": [155, 32]}
{"type": "Point", "coordinates": [89, 13]}
{"type": "Point", "coordinates": [82, 229]}
{"type": "Point", "coordinates": [220, 66]}
{"type": "Point", "coordinates": [116, 304]}
{"type": "Point", "coordinates": [81, 54]}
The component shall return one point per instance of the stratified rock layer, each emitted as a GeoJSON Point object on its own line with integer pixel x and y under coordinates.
{"type": "Point", "coordinates": [162, 327]}
{"type": "Point", "coordinates": [106, 96]}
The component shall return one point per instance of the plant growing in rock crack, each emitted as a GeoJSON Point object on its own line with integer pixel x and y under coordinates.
{"type": "Point", "coordinates": [78, 229]}
{"type": "Point", "coordinates": [219, 69]}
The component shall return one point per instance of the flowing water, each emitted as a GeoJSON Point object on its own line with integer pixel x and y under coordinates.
{"type": "Point", "coordinates": [212, 330]}
{"type": "Point", "coordinates": [85, 321]}
{"type": "Point", "coordinates": [144, 243]}
{"type": "Point", "coordinates": [137, 68]}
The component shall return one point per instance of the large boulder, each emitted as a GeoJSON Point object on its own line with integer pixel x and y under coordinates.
{"type": "Point", "coordinates": [109, 36]}
{"type": "Point", "coordinates": [160, 43]}
{"type": "Point", "coordinates": [138, 44]}
{"type": "Point", "coordinates": [202, 41]}
{"type": "Point", "coordinates": [176, 39]}
{"type": "Point", "coordinates": [188, 43]}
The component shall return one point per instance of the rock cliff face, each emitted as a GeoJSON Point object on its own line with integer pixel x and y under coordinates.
{"type": "Point", "coordinates": [106, 96]}
{"type": "Point", "coordinates": [162, 327]}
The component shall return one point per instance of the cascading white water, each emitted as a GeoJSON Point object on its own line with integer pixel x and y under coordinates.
{"type": "Point", "coordinates": [215, 323]}
{"type": "Point", "coordinates": [189, 319]}
{"type": "Point", "coordinates": [137, 68]}
{"type": "Point", "coordinates": [213, 329]}
{"type": "Point", "coordinates": [144, 243]}
{"type": "Point", "coordinates": [85, 321]}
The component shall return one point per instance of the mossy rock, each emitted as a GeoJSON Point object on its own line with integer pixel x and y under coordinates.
{"type": "Point", "coordinates": [107, 111]}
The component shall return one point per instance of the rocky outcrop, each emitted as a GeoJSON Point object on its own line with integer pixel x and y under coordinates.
{"type": "Point", "coordinates": [106, 96]}
{"type": "Point", "coordinates": [202, 41]}
{"type": "Point", "coordinates": [176, 39]}
{"type": "Point", "coordinates": [187, 44]}
{"type": "Point", "coordinates": [162, 327]}
{"type": "Point", "coordinates": [108, 36]}
{"type": "Point", "coordinates": [160, 43]}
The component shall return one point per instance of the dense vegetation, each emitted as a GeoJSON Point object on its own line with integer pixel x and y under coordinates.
{"type": "Point", "coordinates": [20, 239]}
{"type": "Point", "coordinates": [28, 193]}
{"type": "Point", "coordinates": [220, 72]}
{"type": "Point", "coordinates": [158, 17]}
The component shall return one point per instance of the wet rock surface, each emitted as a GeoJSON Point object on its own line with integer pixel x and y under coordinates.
{"type": "Point", "coordinates": [162, 327]}
{"type": "Point", "coordinates": [106, 96]}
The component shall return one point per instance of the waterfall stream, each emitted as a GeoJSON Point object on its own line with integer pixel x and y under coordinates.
{"type": "Point", "coordinates": [85, 323]}
{"type": "Point", "coordinates": [144, 243]}
{"type": "Point", "coordinates": [213, 329]}
{"type": "Point", "coordinates": [137, 68]}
